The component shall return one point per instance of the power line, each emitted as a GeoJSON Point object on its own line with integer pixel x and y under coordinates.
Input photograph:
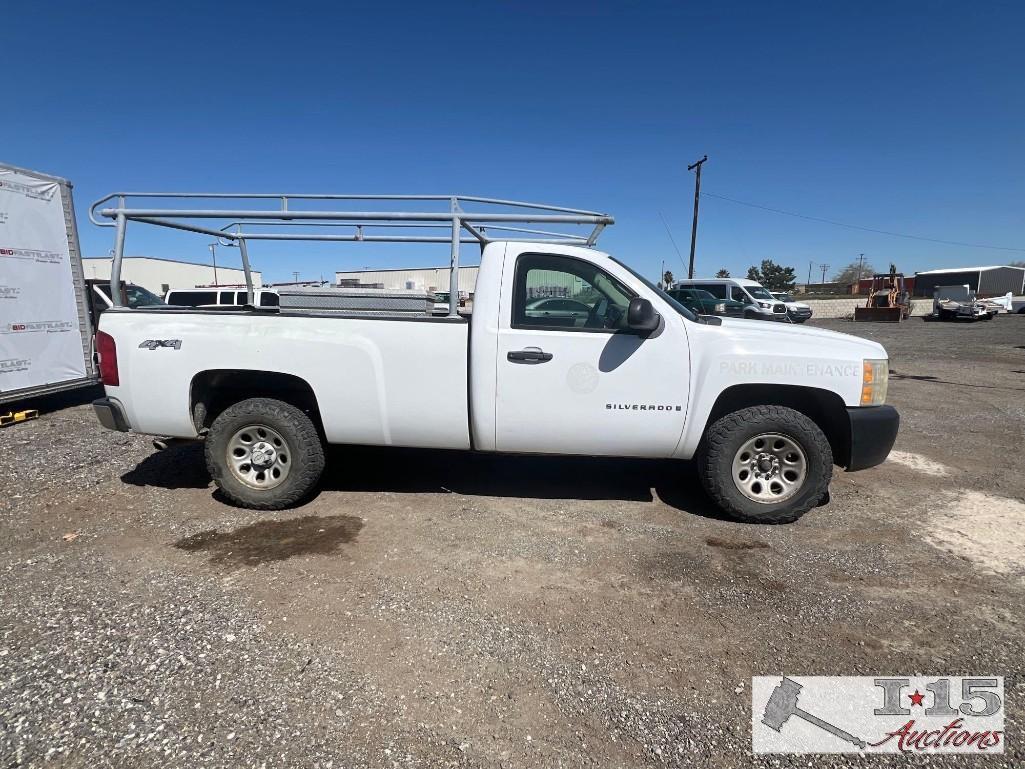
{"type": "Point", "coordinates": [672, 240]}
{"type": "Point", "coordinates": [863, 229]}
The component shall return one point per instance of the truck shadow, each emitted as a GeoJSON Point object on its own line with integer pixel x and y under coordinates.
{"type": "Point", "coordinates": [431, 471]}
{"type": "Point", "coordinates": [177, 467]}
{"type": "Point", "coordinates": [373, 469]}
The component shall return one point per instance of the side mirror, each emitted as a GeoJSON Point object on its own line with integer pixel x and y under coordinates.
{"type": "Point", "coordinates": [641, 316]}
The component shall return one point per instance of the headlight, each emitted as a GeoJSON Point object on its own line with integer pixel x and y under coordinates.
{"type": "Point", "coordinates": [764, 304]}
{"type": "Point", "coordinates": [720, 308]}
{"type": "Point", "coordinates": [874, 379]}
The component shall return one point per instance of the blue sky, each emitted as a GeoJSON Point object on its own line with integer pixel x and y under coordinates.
{"type": "Point", "coordinates": [898, 116]}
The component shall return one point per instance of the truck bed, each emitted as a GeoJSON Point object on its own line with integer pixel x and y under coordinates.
{"type": "Point", "coordinates": [378, 381]}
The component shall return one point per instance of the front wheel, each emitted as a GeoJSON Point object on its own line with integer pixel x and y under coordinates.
{"type": "Point", "coordinates": [765, 464]}
{"type": "Point", "coordinates": [264, 454]}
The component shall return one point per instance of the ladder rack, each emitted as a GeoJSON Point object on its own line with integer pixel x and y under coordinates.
{"type": "Point", "coordinates": [238, 226]}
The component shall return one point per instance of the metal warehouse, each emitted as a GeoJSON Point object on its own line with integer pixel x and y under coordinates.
{"type": "Point", "coordinates": [986, 281]}
{"type": "Point", "coordinates": [158, 274]}
{"type": "Point", "coordinates": [425, 278]}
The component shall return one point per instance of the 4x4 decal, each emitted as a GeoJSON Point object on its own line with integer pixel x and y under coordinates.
{"type": "Point", "coordinates": [152, 344]}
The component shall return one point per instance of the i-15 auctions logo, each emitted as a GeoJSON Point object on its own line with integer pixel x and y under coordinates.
{"type": "Point", "coordinates": [852, 714]}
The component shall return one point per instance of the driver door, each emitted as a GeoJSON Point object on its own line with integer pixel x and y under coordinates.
{"type": "Point", "coordinates": [583, 382]}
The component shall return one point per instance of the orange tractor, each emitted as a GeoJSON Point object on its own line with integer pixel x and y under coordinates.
{"type": "Point", "coordinates": [888, 299]}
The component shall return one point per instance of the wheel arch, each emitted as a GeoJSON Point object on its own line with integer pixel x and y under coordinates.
{"type": "Point", "coordinates": [213, 390]}
{"type": "Point", "coordinates": [824, 407]}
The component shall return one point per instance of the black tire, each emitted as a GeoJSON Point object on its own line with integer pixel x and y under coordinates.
{"type": "Point", "coordinates": [305, 453]}
{"type": "Point", "coordinates": [723, 441]}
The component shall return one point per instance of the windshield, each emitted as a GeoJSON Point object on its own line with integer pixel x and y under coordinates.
{"type": "Point", "coordinates": [679, 308]}
{"type": "Point", "coordinates": [760, 293]}
{"type": "Point", "coordinates": [783, 297]}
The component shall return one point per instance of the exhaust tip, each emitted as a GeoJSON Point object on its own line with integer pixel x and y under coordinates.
{"type": "Point", "coordinates": [160, 444]}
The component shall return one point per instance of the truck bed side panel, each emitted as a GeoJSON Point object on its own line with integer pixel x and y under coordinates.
{"type": "Point", "coordinates": [377, 381]}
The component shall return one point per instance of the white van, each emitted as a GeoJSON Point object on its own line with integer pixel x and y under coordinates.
{"type": "Point", "coordinates": [219, 297]}
{"type": "Point", "coordinates": [759, 303]}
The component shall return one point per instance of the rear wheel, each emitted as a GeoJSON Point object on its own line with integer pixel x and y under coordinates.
{"type": "Point", "coordinates": [765, 464]}
{"type": "Point", "coordinates": [264, 454]}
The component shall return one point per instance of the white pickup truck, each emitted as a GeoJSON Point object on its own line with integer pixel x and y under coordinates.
{"type": "Point", "coordinates": [765, 409]}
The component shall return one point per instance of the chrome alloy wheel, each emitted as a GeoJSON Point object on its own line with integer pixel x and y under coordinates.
{"type": "Point", "coordinates": [770, 468]}
{"type": "Point", "coordinates": [259, 457]}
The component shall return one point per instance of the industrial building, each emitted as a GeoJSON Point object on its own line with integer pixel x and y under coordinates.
{"type": "Point", "coordinates": [158, 275]}
{"type": "Point", "coordinates": [422, 278]}
{"type": "Point", "coordinates": [986, 281]}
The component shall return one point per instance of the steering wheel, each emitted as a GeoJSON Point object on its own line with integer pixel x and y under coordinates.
{"type": "Point", "coordinates": [604, 314]}
{"type": "Point", "coordinates": [613, 315]}
{"type": "Point", "coordinates": [596, 315]}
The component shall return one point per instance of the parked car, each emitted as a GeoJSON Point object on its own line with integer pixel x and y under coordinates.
{"type": "Point", "coordinates": [758, 303]}
{"type": "Point", "coordinates": [703, 303]}
{"type": "Point", "coordinates": [220, 297]}
{"type": "Point", "coordinates": [568, 312]}
{"type": "Point", "coordinates": [642, 376]}
{"type": "Point", "coordinates": [98, 291]}
{"type": "Point", "coordinates": [799, 312]}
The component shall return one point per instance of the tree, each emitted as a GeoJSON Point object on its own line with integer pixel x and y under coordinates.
{"type": "Point", "coordinates": [1018, 264]}
{"type": "Point", "coordinates": [723, 273]}
{"type": "Point", "coordinates": [667, 279]}
{"type": "Point", "coordinates": [849, 274]}
{"type": "Point", "coordinates": [774, 277]}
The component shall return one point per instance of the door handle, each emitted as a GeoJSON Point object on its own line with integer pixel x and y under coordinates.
{"type": "Point", "coordinates": [529, 355]}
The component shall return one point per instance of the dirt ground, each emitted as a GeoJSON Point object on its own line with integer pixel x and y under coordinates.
{"type": "Point", "coordinates": [434, 609]}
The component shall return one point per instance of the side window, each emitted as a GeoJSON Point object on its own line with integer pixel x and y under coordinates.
{"type": "Point", "coordinates": [192, 298]}
{"type": "Point", "coordinates": [268, 299]}
{"type": "Point", "coordinates": [737, 294]}
{"type": "Point", "coordinates": [718, 290]}
{"type": "Point", "coordinates": [589, 298]}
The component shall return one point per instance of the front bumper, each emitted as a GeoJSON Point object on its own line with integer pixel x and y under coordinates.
{"type": "Point", "coordinates": [873, 429]}
{"type": "Point", "coordinates": [111, 414]}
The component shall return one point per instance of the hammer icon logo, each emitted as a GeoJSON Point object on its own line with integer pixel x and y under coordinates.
{"type": "Point", "coordinates": [782, 704]}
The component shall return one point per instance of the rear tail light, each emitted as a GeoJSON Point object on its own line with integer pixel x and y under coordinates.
{"type": "Point", "coordinates": [107, 352]}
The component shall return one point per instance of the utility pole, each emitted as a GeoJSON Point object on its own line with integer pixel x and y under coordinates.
{"type": "Point", "coordinates": [694, 226]}
{"type": "Point", "coordinates": [809, 270]}
{"type": "Point", "coordinates": [861, 262]}
{"type": "Point", "coordinates": [296, 275]}
{"type": "Point", "coordinates": [824, 268]}
{"type": "Point", "coordinates": [213, 255]}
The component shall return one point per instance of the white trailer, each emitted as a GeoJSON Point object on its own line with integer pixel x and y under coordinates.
{"type": "Point", "coordinates": [46, 334]}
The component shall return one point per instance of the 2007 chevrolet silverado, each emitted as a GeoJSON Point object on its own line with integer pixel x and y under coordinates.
{"type": "Point", "coordinates": [765, 409]}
